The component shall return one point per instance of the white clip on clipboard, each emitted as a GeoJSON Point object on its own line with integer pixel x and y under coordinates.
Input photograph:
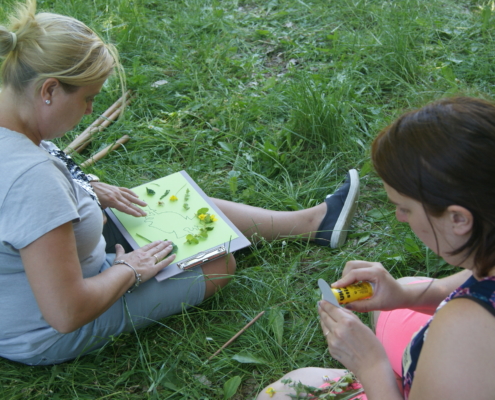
{"type": "Point", "coordinates": [202, 257]}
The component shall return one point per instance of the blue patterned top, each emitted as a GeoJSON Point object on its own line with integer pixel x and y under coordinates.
{"type": "Point", "coordinates": [482, 292]}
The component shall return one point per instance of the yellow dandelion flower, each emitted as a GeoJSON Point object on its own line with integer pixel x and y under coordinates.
{"type": "Point", "coordinates": [213, 218]}
{"type": "Point", "coordinates": [173, 198]}
{"type": "Point", "coordinates": [202, 216]}
{"type": "Point", "coordinates": [270, 391]}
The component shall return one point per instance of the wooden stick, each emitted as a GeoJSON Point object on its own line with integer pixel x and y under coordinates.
{"type": "Point", "coordinates": [91, 129]}
{"type": "Point", "coordinates": [89, 137]}
{"type": "Point", "coordinates": [83, 141]}
{"type": "Point", "coordinates": [237, 334]}
{"type": "Point", "coordinates": [105, 151]}
{"type": "Point", "coordinates": [94, 127]}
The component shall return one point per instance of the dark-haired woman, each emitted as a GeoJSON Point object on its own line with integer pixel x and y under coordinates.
{"type": "Point", "coordinates": [437, 167]}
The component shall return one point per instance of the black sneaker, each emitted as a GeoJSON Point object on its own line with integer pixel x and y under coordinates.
{"type": "Point", "coordinates": [341, 207]}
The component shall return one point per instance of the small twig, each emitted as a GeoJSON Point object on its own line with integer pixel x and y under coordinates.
{"type": "Point", "coordinates": [105, 151]}
{"type": "Point", "coordinates": [111, 114]}
{"type": "Point", "coordinates": [142, 237]}
{"type": "Point", "coordinates": [237, 334]}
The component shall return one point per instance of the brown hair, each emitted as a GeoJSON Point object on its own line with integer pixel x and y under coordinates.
{"type": "Point", "coordinates": [444, 154]}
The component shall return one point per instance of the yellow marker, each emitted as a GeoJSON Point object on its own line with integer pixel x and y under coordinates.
{"type": "Point", "coordinates": [356, 291]}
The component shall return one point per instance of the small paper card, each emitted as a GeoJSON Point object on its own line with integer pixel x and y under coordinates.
{"type": "Point", "coordinates": [326, 292]}
{"type": "Point", "coordinates": [173, 205]}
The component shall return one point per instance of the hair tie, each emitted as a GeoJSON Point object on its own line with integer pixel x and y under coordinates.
{"type": "Point", "coordinates": [14, 40]}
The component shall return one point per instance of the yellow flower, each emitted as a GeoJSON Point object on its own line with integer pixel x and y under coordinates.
{"type": "Point", "coordinates": [173, 198]}
{"type": "Point", "coordinates": [270, 391]}
{"type": "Point", "coordinates": [202, 216]}
{"type": "Point", "coordinates": [213, 218]}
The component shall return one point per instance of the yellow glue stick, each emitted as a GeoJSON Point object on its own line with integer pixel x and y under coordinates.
{"type": "Point", "coordinates": [356, 291]}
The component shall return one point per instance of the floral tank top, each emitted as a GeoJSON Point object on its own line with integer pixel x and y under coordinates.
{"type": "Point", "coordinates": [482, 292]}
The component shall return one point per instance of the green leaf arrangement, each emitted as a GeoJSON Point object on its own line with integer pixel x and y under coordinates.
{"type": "Point", "coordinates": [206, 220]}
{"type": "Point", "coordinates": [339, 390]}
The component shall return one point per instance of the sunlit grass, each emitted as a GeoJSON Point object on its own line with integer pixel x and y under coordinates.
{"type": "Point", "coordinates": [267, 103]}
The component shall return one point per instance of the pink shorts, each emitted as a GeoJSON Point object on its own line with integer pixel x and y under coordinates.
{"type": "Point", "coordinates": [394, 329]}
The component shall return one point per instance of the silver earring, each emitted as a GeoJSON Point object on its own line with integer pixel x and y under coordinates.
{"type": "Point", "coordinates": [48, 102]}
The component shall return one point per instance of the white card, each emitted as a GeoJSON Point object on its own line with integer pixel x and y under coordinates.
{"type": "Point", "coordinates": [327, 293]}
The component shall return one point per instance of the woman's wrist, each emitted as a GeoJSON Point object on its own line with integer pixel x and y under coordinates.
{"type": "Point", "coordinates": [137, 276]}
{"type": "Point", "coordinates": [379, 382]}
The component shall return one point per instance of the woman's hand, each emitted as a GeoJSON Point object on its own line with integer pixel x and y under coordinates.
{"type": "Point", "coordinates": [121, 198]}
{"type": "Point", "coordinates": [149, 259]}
{"type": "Point", "coordinates": [388, 294]}
{"type": "Point", "coordinates": [350, 341]}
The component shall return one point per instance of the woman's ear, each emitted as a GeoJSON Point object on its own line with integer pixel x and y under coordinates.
{"type": "Point", "coordinates": [48, 88]}
{"type": "Point", "coordinates": [461, 219]}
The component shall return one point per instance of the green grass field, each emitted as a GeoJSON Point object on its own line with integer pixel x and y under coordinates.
{"type": "Point", "coordinates": [267, 102]}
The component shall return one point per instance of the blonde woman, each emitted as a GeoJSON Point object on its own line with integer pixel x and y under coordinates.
{"type": "Point", "coordinates": [62, 294]}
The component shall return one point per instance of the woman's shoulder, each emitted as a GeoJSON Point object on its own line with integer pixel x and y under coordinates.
{"type": "Point", "coordinates": [18, 153]}
{"type": "Point", "coordinates": [458, 348]}
{"type": "Point", "coordinates": [22, 158]}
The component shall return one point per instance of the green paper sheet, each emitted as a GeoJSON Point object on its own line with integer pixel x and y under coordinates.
{"type": "Point", "coordinates": [169, 220]}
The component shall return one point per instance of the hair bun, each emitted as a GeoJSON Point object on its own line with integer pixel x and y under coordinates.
{"type": "Point", "coordinates": [14, 41]}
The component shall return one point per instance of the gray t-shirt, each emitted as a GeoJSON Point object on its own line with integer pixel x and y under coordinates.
{"type": "Point", "coordinates": [37, 195]}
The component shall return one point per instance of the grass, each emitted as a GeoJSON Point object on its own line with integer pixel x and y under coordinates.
{"type": "Point", "coordinates": [267, 103]}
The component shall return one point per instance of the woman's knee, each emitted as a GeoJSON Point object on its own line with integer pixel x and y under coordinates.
{"type": "Point", "coordinates": [218, 273]}
{"type": "Point", "coordinates": [310, 376]}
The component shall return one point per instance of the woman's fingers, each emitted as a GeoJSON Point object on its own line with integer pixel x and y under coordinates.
{"type": "Point", "coordinates": [132, 197]}
{"type": "Point", "coordinates": [356, 266]}
{"type": "Point", "coordinates": [157, 251]}
{"type": "Point", "coordinates": [157, 245]}
{"type": "Point", "coordinates": [160, 255]}
{"type": "Point", "coordinates": [166, 261]}
{"type": "Point", "coordinates": [149, 259]}
{"type": "Point", "coordinates": [131, 203]}
{"type": "Point", "coordinates": [119, 251]}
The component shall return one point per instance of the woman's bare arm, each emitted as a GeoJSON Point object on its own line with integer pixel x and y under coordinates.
{"type": "Point", "coordinates": [425, 297]}
{"type": "Point", "coordinates": [67, 300]}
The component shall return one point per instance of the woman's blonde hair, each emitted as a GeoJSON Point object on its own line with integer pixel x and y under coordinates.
{"type": "Point", "coordinates": [46, 45]}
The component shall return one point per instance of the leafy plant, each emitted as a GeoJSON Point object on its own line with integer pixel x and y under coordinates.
{"type": "Point", "coordinates": [206, 220]}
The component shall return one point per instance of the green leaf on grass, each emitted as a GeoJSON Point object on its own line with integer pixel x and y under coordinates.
{"type": "Point", "coordinates": [230, 387]}
{"type": "Point", "coordinates": [226, 146]}
{"type": "Point", "coordinates": [248, 358]}
{"type": "Point", "coordinates": [276, 321]}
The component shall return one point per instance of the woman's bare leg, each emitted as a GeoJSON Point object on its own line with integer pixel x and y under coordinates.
{"type": "Point", "coordinates": [218, 273]}
{"type": "Point", "coordinates": [326, 223]}
{"type": "Point", "coordinates": [273, 224]}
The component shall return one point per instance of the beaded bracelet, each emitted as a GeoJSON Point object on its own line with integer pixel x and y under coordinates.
{"type": "Point", "coordinates": [138, 276]}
